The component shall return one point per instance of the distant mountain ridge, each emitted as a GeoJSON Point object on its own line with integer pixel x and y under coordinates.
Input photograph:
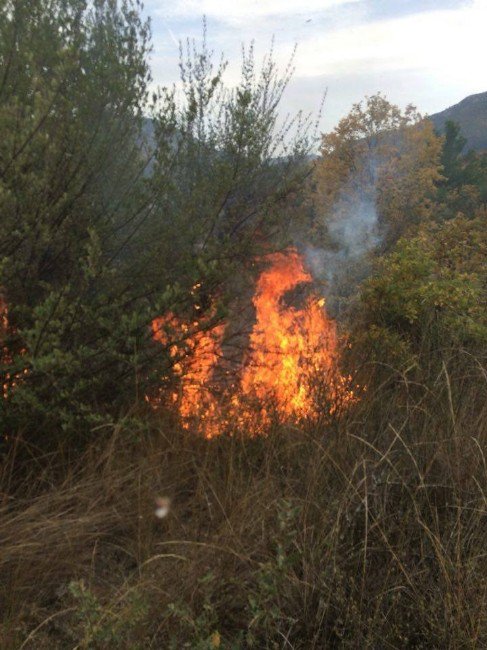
{"type": "Point", "coordinates": [471, 115]}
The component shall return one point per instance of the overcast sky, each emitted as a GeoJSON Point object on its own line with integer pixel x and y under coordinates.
{"type": "Point", "coordinates": [431, 53]}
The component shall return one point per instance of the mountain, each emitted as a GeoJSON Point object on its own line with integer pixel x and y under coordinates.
{"type": "Point", "coordinates": [471, 115]}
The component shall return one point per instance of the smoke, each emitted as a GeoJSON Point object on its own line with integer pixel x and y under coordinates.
{"type": "Point", "coordinates": [352, 235]}
{"type": "Point", "coordinates": [352, 232]}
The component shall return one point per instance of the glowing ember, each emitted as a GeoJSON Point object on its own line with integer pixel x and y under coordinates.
{"type": "Point", "coordinates": [4, 352]}
{"type": "Point", "coordinates": [9, 379]}
{"type": "Point", "coordinates": [292, 352]}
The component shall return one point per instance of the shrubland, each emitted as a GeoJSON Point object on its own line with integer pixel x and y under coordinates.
{"type": "Point", "coordinates": [362, 527]}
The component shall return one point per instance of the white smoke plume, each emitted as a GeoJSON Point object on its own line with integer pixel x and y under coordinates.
{"type": "Point", "coordinates": [353, 233]}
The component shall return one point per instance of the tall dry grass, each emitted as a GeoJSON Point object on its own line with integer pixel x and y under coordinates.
{"type": "Point", "coordinates": [365, 531]}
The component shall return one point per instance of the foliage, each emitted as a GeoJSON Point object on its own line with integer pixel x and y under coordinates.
{"type": "Point", "coordinates": [106, 227]}
{"type": "Point", "coordinates": [464, 185]}
{"type": "Point", "coordinates": [368, 533]}
{"type": "Point", "coordinates": [381, 159]}
{"type": "Point", "coordinates": [106, 627]}
{"type": "Point", "coordinates": [74, 84]}
{"type": "Point", "coordinates": [268, 622]}
{"type": "Point", "coordinates": [429, 293]}
{"type": "Point", "coordinates": [224, 169]}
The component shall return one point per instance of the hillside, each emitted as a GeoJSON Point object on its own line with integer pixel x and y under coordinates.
{"type": "Point", "coordinates": [471, 114]}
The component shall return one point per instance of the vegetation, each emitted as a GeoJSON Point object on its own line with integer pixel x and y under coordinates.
{"type": "Point", "coordinates": [469, 114]}
{"type": "Point", "coordinates": [92, 246]}
{"type": "Point", "coordinates": [362, 525]}
{"type": "Point", "coordinates": [463, 188]}
{"type": "Point", "coordinates": [381, 157]}
{"type": "Point", "coordinates": [367, 532]}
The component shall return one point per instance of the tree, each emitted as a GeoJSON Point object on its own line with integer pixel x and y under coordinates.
{"type": "Point", "coordinates": [381, 159]}
{"type": "Point", "coordinates": [224, 168]}
{"type": "Point", "coordinates": [73, 86]}
{"type": "Point", "coordinates": [453, 146]}
{"type": "Point", "coordinates": [224, 178]}
{"type": "Point", "coordinates": [463, 188]}
{"type": "Point", "coordinates": [103, 231]}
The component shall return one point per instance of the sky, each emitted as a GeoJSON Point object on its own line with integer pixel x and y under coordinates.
{"type": "Point", "coordinates": [431, 53]}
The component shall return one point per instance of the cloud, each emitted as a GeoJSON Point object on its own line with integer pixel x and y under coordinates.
{"type": "Point", "coordinates": [239, 12]}
{"type": "Point", "coordinates": [452, 39]}
{"type": "Point", "coordinates": [247, 10]}
{"type": "Point", "coordinates": [429, 52]}
{"type": "Point", "coordinates": [344, 37]}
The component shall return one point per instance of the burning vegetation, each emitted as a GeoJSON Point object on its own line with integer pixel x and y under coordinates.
{"type": "Point", "coordinates": [287, 372]}
{"type": "Point", "coordinates": [329, 516]}
{"type": "Point", "coordinates": [9, 377]}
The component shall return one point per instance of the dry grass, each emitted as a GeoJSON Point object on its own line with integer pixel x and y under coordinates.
{"type": "Point", "coordinates": [365, 532]}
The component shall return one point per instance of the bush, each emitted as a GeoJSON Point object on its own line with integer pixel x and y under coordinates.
{"type": "Point", "coordinates": [109, 219]}
{"type": "Point", "coordinates": [428, 295]}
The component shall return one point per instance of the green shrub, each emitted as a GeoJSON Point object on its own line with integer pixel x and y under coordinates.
{"type": "Point", "coordinates": [428, 295]}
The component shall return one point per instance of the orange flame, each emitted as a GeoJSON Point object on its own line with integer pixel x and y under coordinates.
{"type": "Point", "coordinates": [289, 345]}
{"type": "Point", "coordinates": [195, 354]}
{"type": "Point", "coordinates": [292, 349]}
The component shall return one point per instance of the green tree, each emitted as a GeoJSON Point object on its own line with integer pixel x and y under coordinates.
{"type": "Point", "coordinates": [104, 227]}
{"type": "Point", "coordinates": [74, 83]}
{"type": "Point", "coordinates": [463, 188]}
{"type": "Point", "coordinates": [453, 146]}
{"type": "Point", "coordinates": [224, 170]}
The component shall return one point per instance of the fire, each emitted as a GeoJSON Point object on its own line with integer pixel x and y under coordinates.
{"type": "Point", "coordinates": [290, 346]}
{"type": "Point", "coordinates": [10, 380]}
{"type": "Point", "coordinates": [292, 351]}
{"type": "Point", "coordinates": [4, 352]}
{"type": "Point", "coordinates": [195, 354]}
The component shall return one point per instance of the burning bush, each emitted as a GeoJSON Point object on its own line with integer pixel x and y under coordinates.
{"type": "Point", "coordinates": [291, 349]}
